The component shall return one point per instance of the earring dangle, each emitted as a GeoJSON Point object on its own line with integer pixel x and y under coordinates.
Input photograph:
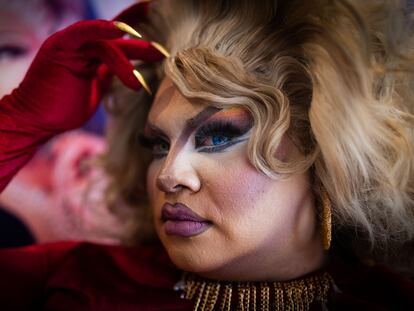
{"type": "Point", "coordinates": [326, 218]}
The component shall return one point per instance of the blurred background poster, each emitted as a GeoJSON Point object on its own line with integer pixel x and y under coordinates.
{"type": "Point", "coordinates": [59, 194]}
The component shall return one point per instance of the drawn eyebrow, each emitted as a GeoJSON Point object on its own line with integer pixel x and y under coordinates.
{"type": "Point", "coordinates": [200, 117]}
{"type": "Point", "coordinates": [152, 130]}
{"type": "Point", "coordinates": [190, 124]}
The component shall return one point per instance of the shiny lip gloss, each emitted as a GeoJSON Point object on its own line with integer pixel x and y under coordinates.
{"type": "Point", "coordinates": [181, 221]}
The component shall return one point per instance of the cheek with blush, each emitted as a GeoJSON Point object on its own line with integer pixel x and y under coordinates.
{"type": "Point", "coordinates": [246, 200]}
{"type": "Point", "coordinates": [234, 185]}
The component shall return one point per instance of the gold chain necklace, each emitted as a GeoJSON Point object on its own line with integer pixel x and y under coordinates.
{"type": "Point", "coordinates": [244, 296]}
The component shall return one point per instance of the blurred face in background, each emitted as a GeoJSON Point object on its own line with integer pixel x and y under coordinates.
{"type": "Point", "coordinates": [24, 25]}
{"type": "Point", "coordinates": [59, 194]}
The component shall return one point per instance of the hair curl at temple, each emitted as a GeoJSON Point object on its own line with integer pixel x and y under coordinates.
{"type": "Point", "coordinates": [335, 76]}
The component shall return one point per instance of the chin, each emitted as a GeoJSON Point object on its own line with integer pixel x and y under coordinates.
{"type": "Point", "coordinates": [216, 269]}
{"type": "Point", "coordinates": [188, 257]}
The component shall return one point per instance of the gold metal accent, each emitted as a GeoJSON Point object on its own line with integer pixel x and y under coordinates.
{"type": "Point", "coordinates": [264, 297]}
{"type": "Point", "coordinates": [295, 295]}
{"type": "Point", "coordinates": [142, 81]}
{"type": "Point", "coordinates": [226, 297]}
{"type": "Point", "coordinates": [278, 289]}
{"type": "Point", "coordinates": [128, 29]}
{"type": "Point", "coordinates": [160, 48]}
{"type": "Point", "coordinates": [326, 218]}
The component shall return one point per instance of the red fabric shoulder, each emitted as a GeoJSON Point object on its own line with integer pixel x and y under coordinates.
{"type": "Point", "coordinates": [24, 272]}
{"type": "Point", "coordinates": [86, 276]}
{"type": "Point", "coordinates": [362, 287]}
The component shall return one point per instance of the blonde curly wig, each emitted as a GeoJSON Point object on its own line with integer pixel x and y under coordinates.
{"type": "Point", "coordinates": [334, 75]}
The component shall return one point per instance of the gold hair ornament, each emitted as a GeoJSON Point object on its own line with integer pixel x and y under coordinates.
{"type": "Point", "coordinates": [289, 295]}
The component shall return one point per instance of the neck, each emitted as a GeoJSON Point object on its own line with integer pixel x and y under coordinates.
{"type": "Point", "coordinates": [251, 270]}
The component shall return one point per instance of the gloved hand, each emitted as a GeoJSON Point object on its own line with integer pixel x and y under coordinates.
{"type": "Point", "coordinates": [61, 89]}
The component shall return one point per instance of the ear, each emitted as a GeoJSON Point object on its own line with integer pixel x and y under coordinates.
{"type": "Point", "coordinates": [73, 155]}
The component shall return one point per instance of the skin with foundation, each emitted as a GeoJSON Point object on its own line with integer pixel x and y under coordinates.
{"type": "Point", "coordinates": [215, 213]}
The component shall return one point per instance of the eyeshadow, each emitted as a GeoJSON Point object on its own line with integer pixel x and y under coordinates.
{"type": "Point", "coordinates": [237, 116]}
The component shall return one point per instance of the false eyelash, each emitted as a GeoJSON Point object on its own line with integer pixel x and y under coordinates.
{"type": "Point", "coordinates": [149, 142]}
{"type": "Point", "coordinates": [219, 128]}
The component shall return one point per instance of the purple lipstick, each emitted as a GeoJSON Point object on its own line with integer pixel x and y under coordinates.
{"type": "Point", "coordinates": [182, 221]}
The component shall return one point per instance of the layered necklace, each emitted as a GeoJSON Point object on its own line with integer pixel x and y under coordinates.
{"type": "Point", "coordinates": [222, 295]}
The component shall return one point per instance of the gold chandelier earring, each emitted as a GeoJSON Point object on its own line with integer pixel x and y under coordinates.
{"type": "Point", "coordinates": [326, 218]}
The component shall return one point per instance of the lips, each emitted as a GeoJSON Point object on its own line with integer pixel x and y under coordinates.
{"type": "Point", "coordinates": [180, 220]}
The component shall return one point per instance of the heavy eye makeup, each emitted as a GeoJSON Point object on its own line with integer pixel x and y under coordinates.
{"type": "Point", "coordinates": [214, 135]}
{"type": "Point", "coordinates": [218, 135]}
{"type": "Point", "coordinates": [154, 141]}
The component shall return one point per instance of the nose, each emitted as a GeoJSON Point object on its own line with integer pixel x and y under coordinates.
{"type": "Point", "coordinates": [176, 174]}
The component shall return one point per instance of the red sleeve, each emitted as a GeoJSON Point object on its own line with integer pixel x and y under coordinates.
{"type": "Point", "coordinates": [24, 273]}
{"type": "Point", "coordinates": [19, 140]}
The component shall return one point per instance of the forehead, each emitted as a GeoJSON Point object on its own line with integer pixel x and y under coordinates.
{"type": "Point", "coordinates": [24, 15]}
{"type": "Point", "coordinates": [169, 102]}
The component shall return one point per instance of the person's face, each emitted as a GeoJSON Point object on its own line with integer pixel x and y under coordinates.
{"type": "Point", "coordinates": [214, 212]}
{"type": "Point", "coordinates": [21, 35]}
{"type": "Point", "coordinates": [24, 25]}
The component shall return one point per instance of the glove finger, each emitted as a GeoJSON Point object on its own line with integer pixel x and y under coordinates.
{"type": "Point", "coordinates": [104, 77]}
{"type": "Point", "coordinates": [134, 13]}
{"type": "Point", "coordinates": [117, 62]}
{"type": "Point", "coordinates": [99, 86]}
{"type": "Point", "coordinates": [80, 33]}
{"type": "Point", "coordinates": [138, 49]}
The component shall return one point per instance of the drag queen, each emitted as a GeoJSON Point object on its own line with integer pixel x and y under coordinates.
{"type": "Point", "coordinates": [275, 157]}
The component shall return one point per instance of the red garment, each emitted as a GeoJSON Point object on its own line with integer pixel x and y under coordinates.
{"type": "Point", "coordinates": [64, 84]}
{"type": "Point", "coordinates": [83, 276]}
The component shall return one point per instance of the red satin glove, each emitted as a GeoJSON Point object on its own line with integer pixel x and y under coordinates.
{"type": "Point", "coordinates": [61, 90]}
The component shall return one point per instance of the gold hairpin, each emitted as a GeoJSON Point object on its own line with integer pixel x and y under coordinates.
{"type": "Point", "coordinates": [142, 81]}
{"type": "Point", "coordinates": [128, 29]}
{"type": "Point", "coordinates": [160, 48]}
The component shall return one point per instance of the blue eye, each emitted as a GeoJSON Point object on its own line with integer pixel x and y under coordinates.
{"type": "Point", "coordinates": [214, 142]}
{"type": "Point", "coordinates": [212, 137]}
{"type": "Point", "coordinates": [218, 135]}
{"type": "Point", "coordinates": [219, 140]}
